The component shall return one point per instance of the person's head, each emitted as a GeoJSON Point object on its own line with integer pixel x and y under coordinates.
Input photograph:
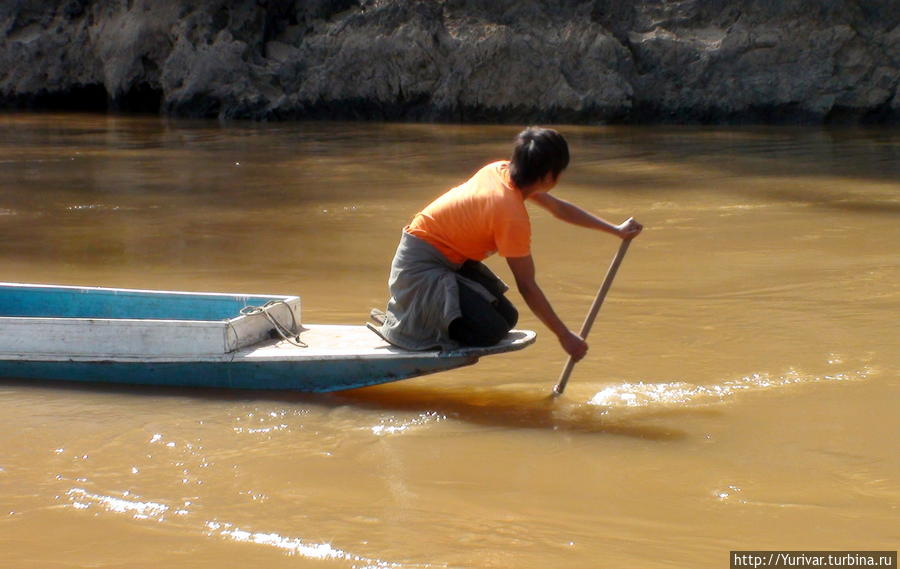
{"type": "Point", "coordinates": [538, 152]}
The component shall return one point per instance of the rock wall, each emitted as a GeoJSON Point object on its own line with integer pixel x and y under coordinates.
{"type": "Point", "coordinates": [459, 60]}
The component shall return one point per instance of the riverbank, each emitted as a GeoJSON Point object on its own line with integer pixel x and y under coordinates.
{"type": "Point", "coordinates": [600, 61]}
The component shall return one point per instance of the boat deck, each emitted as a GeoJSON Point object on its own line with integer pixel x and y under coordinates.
{"type": "Point", "coordinates": [324, 341]}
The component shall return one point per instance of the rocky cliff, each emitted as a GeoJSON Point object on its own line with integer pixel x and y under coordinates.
{"type": "Point", "coordinates": [459, 60]}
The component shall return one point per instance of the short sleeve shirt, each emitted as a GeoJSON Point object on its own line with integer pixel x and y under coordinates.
{"type": "Point", "coordinates": [485, 215]}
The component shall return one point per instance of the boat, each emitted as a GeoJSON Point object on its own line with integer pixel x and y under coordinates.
{"type": "Point", "coordinates": [201, 339]}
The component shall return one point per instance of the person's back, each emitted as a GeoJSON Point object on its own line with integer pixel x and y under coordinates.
{"type": "Point", "coordinates": [485, 215]}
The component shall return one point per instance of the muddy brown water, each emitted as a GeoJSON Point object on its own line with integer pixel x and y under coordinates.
{"type": "Point", "coordinates": [741, 390]}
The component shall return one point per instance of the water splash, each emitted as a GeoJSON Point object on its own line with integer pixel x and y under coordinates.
{"type": "Point", "coordinates": [680, 393]}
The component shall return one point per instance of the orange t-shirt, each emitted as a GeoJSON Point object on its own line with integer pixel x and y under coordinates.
{"type": "Point", "coordinates": [482, 216]}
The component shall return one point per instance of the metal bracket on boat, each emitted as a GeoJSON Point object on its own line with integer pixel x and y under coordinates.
{"type": "Point", "coordinates": [287, 334]}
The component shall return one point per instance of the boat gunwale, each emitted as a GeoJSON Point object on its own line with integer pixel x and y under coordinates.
{"type": "Point", "coordinates": [293, 353]}
{"type": "Point", "coordinates": [154, 292]}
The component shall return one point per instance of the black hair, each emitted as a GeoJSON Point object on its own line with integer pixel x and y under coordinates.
{"type": "Point", "coordinates": [537, 152]}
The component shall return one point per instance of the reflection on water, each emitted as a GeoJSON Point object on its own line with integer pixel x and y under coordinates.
{"type": "Point", "coordinates": [740, 391]}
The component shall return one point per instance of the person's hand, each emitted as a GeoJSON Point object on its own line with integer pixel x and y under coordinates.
{"type": "Point", "coordinates": [573, 345]}
{"type": "Point", "coordinates": [629, 229]}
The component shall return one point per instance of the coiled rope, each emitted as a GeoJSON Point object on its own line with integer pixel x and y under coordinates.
{"type": "Point", "coordinates": [287, 334]}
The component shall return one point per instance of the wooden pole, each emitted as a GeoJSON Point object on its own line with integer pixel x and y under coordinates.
{"type": "Point", "coordinates": [592, 314]}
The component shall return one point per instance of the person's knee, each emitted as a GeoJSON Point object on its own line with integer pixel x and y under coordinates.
{"type": "Point", "coordinates": [483, 323]}
{"type": "Point", "coordinates": [491, 337]}
{"type": "Point", "coordinates": [508, 312]}
{"type": "Point", "coordinates": [480, 336]}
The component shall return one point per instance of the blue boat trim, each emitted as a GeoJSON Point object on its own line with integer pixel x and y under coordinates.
{"type": "Point", "coordinates": [306, 376]}
{"type": "Point", "coordinates": [52, 301]}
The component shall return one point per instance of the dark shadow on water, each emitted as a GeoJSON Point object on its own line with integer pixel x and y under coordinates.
{"type": "Point", "coordinates": [520, 408]}
{"type": "Point", "coordinates": [509, 407]}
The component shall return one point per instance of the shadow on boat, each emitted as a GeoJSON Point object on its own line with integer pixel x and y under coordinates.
{"type": "Point", "coordinates": [520, 406]}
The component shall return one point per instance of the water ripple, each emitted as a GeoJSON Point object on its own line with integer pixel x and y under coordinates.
{"type": "Point", "coordinates": [309, 550]}
{"type": "Point", "coordinates": [393, 425]}
{"type": "Point", "coordinates": [137, 509]}
{"type": "Point", "coordinates": [94, 207]}
{"type": "Point", "coordinates": [82, 500]}
{"type": "Point", "coordinates": [677, 392]}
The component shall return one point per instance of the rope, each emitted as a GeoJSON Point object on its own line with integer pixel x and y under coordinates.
{"type": "Point", "coordinates": [287, 334]}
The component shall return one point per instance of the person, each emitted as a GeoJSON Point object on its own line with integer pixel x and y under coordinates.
{"type": "Point", "coordinates": [442, 296]}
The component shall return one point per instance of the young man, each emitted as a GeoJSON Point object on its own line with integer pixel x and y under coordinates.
{"type": "Point", "coordinates": [441, 293]}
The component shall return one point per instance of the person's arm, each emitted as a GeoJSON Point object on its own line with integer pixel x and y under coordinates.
{"type": "Point", "coordinates": [524, 273]}
{"type": "Point", "coordinates": [573, 214]}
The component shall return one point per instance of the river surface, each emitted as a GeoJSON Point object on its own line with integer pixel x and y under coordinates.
{"type": "Point", "coordinates": [741, 390]}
